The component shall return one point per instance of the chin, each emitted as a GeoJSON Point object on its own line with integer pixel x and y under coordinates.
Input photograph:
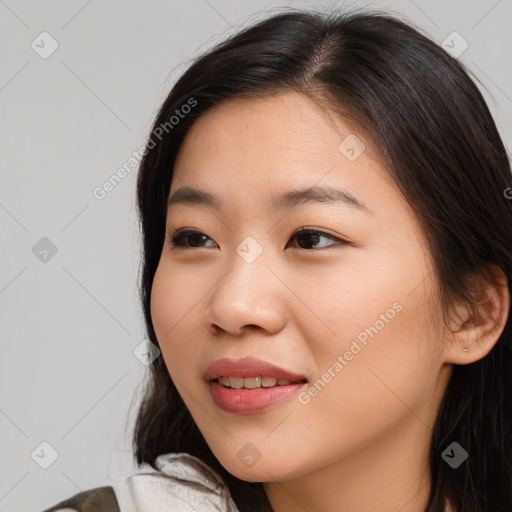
{"type": "Point", "coordinates": [260, 471]}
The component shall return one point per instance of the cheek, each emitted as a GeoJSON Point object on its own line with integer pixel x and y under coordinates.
{"type": "Point", "coordinates": [390, 348]}
{"type": "Point", "coordinates": [347, 297]}
{"type": "Point", "coordinates": [370, 345]}
{"type": "Point", "coordinates": [172, 302]}
{"type": "Point", "coordinates": [174, 294]}
{"type": "Point", "coordinates": [351, 401]}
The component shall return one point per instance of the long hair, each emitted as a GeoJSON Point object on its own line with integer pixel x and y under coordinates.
{"type": "Point", "coordinates": [433, 129]}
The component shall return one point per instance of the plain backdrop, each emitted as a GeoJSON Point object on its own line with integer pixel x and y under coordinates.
{"type": "Point", "coordinates": [80, 82]}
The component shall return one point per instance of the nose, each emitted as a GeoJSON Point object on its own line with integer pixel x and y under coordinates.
{"type": "Point", "coordinates": [248, 296]}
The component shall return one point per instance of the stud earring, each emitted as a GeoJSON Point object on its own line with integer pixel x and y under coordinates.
{"type": "Point", "coordinates": [466, 350]}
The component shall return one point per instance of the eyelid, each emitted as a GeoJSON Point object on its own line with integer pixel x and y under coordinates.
{"type": "Point", "coordinates": [340, 240]}
{"type": "Point", "coordinates": [183, 232]}
{"type": "Point", "coordinates": [186, 231]}
{"type": "Point", "coordinates": [318, 230]}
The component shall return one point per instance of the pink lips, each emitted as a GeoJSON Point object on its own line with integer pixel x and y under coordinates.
{"type": "Point", "coordinates": [249, 401]}
{"type": "Point", "coordinates": [247, 367]}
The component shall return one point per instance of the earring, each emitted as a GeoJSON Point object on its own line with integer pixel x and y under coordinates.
{"type": "Point", "coordinates": [466, 350]}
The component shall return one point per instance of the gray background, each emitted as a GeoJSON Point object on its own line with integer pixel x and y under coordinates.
{"type": "Point", "coordinates": [70, 321]}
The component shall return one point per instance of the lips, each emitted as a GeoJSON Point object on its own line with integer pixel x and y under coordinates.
{"type": "Point", "coordinates": [248, 367]}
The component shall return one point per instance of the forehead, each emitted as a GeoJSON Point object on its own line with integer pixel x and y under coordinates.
{"type": "Point", "coordinates": [287, 124]}
{"type": "Point", "coordinates": [261, 147]}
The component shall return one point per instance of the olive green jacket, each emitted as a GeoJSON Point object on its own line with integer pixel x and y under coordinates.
{"type": "Point", "coordinates": [182, 483]}
{"type": "Point", "coordinates": [99, 499]}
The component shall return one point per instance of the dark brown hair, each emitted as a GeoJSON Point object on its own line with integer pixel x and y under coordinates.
{"type": "Point", "coordinates": [433, 130]}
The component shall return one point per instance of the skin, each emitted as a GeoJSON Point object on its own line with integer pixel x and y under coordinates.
{"type": "Point", "coordinates": [362, 443]}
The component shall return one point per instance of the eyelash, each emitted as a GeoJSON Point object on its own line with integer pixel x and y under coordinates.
{"type": "Point", "coordinates": [180, 234]}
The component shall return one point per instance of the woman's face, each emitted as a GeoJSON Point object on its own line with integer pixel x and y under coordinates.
{"type": "Point", "coordinates": [353, 318]}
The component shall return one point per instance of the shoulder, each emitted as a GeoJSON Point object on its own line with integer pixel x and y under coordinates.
{"type": "Point", "coordinates": [181, 484]}
{"type": "Point", "coordinates": [99, 499]}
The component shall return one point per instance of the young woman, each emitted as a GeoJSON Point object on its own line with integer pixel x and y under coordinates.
{"type": "Point", "coordinates": [326, 221]}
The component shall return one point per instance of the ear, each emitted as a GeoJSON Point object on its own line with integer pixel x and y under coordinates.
{"type": "Point", "coordinates": [479, 326]}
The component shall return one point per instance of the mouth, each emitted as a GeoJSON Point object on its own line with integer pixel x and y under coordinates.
{"type": "Point", "coordinates": [248, 372]}
{"type": "Point", "coordinates": [254, 382]}
{"type": "Point", "coordinates": [250, 385]}
{"type": "Point", "coordinates": [253, 400]}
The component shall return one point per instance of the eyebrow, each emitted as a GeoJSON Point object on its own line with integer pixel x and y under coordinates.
{"type": "Point", "coordinates": [316, 194]}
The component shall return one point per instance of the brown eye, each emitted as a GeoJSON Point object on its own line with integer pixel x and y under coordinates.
{"type": "Point", "coordinates": [310, 237]}
{"type": "Point", "coordinates": [195, 238]}
{"type": "Point", "coordinates": [306, 239]}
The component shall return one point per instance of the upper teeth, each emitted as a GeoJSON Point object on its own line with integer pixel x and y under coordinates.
{"type": "Point", "coordinates": [252, 382]}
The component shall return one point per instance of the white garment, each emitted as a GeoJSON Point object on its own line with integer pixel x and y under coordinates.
{"type": "Point", "coordinates": [184, 483]}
